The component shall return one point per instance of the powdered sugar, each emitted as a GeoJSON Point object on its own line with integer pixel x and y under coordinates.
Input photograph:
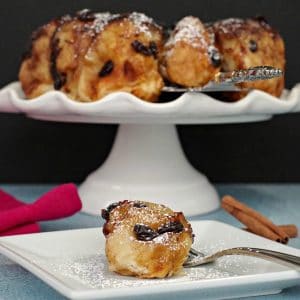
{"type": "Point", "coordinates": [101, 20]}
{"type": "Point", "coordinates": [92, 272]}
{"type": "Point", "coordinates": [142, 22]}
{"type": "Point", "coordinates": [162, 239]}
{"type": "Point", "coordinates": [191, 30]}
{"type": "Point", "coordinates": [230, 25]}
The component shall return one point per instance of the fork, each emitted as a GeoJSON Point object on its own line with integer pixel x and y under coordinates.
{"type": "Point", "coordinates": [197, 258]}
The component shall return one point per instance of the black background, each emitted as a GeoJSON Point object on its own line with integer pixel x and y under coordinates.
{"type": "Point", "coordinates": [36, 151]}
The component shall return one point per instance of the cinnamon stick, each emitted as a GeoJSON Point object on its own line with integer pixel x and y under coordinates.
{"type": "Point", "coordinates": [233, 206]}
{"type": "Point", "coordinates": [291, 230]}
{"type": "Point", "coordinates": [252, 224]}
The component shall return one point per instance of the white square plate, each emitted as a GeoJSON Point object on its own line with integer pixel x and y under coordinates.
{"type": "Point", "coordinates": [73, 262]}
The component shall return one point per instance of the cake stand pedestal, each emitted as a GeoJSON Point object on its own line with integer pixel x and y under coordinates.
{"type": "Point", "coordinates": [147, 163]}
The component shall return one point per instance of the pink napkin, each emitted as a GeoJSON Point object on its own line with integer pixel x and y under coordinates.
{"type": "Point", "coordinates": [17, 217]}
{"type": "Point", "coordinates": [8, 202]}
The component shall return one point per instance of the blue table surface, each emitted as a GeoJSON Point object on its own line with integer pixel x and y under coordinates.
{"type": "Point", "coordinates": [280, 202]}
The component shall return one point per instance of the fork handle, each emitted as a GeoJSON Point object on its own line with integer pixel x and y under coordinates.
{"type": "Point", "coordinates": [270, 255]}
{"type": "Point", "coordinates": [267, 254]}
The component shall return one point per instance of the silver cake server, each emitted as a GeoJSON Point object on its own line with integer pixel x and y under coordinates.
{"type": "Point", "coordinates": [226, 81]}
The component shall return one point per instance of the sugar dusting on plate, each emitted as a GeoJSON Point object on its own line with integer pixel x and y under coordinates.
{"type": "Point", "coordinates": [92, 270]}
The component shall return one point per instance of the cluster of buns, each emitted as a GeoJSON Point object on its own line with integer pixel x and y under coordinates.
{"type": "Point", "coordinates": [146, 240]}
{"type": "Point", "coordinates": [90, 55]}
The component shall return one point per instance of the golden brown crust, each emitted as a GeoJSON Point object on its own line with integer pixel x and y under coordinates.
{"type": "Point", "coordinates": [34, 74]}
{"type": "Point", "coordinates": [91, 55]}
{"type": "Point", "coordinates": [249, 43]}
{"type": "Point", "coordinates": [189, 57]}
{"type": "Point", "coordinates": [156, 253]}
{"type": "Point", "coordinates": [133, 71]}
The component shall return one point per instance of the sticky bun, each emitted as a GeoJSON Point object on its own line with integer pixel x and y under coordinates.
{"type": "Point", "coordinates": [189, 57]}
{"type": "Point", "coordinates": [250, 43]}
{"type": "Point", "coordinates": [145, 239]}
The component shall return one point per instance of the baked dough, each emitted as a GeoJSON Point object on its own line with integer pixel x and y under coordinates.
{"type": "Point", "coordinates": [90, 55]}
{"type": "Point", "coordinates": [145, 239]}
{"type": "Point", "coordinates": [189, 57]}
{"type": "Point", "coordinates": [250, 43]}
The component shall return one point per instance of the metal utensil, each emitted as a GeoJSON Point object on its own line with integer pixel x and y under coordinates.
{"type": "Point", "coordinates": [197, 258]}
{"type": "Point", "coordinates": [226, 81]}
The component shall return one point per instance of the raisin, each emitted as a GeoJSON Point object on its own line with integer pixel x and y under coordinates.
{"type": "Point", "coordinates": [140, 48]}
{"type": "Point", "coordinates": [144, 233]}
{"type": "Point", "coordinates": [153, 49]}
{"type": "Point", "coordinates": [105, 214]}
{"type": "Point", "coordinates": [139, 204]}
{"type": "Point", "coordinates": [253, 46]}
{"type": "Point", "coordinates": [171, 227]}
{"type": "Point", "coordinates": [106, 69]}
{"type": "Point", "coordinates": [112, 206]}
{"type": "Point", "coordinates": [59, 79]}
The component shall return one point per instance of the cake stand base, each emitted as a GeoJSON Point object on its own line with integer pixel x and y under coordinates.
{"type": "Point", "coordinates": [147, 163]}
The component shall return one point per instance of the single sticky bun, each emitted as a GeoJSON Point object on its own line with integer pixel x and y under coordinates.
{"type": "Point", "coordinates": [189, 56]}
{"type": "Point", "coordinates": [145, 239]}
{"type": "Point", "coordinates": [250, 43]}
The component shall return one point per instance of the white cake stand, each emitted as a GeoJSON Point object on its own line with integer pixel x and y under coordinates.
{"type": "Point", "coordinates": [147, 161]}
